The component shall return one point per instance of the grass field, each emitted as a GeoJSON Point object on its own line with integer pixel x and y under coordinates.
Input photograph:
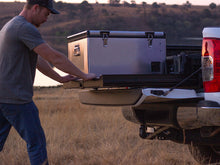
{"type": "Point", "coordinates": [90, 135]}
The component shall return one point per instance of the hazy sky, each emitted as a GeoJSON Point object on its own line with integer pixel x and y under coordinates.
{"type": "Point", "coordinates": [180, 2]}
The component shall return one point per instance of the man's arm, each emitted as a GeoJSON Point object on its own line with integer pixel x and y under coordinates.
{"type": "Point", "coordinates": [60, 61]}
{"type": "Point", "coordinates": [44, 67]}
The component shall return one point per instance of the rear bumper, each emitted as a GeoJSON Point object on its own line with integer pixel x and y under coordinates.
{"type": "Point", "coordinates": [136, 96]}
{"type": "Point", "coordinates": [214, 96]}
{"type": "Point", "coordinates": [206, 113]}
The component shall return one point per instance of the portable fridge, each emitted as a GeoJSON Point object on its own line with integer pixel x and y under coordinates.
{"type": "Point", "coordinates": [118, 52]}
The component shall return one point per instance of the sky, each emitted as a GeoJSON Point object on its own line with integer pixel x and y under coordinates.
{"type": "Point", "coordinates": [179, 2]}
{"type": "Point", "coordinates": [42, 80]}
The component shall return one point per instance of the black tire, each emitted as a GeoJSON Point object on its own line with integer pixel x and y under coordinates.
{"type": "Point", "coordinates": [205, 154]}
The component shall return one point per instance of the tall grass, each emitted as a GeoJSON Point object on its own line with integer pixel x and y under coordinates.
{"type": "Point", "coordinates": [90, 135]}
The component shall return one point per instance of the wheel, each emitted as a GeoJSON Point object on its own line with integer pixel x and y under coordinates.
{"type": "Point", "coordinates": [205, 154]}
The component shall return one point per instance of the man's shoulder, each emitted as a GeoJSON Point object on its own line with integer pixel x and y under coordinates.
{"type": "Point", "coordinates": [20, 22]}
{"type": "Point", "coordinates": [14, 24]}
{"type": "Point", "coordinates": [23, 23]}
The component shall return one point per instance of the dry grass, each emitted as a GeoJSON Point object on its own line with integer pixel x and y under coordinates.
{"type": "Point", "coordinates": [89, 135]}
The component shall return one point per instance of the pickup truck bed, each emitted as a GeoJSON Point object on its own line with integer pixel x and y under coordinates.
{"type": "Point", "coordinates": [181, 62]}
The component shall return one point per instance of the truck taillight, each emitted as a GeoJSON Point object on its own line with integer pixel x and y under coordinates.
{"type": "Point", "coordinates": [207, 63]}
{"type": "Point", "coordinates": [211, 64]}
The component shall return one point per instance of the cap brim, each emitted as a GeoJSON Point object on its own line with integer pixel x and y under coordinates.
{"type": "Point", "coordinates": [53, 11]}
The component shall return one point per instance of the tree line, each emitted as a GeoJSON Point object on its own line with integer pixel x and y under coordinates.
{"type": "Point", "coordinates": [183, 24]}
{"type": "Point", "coordinates": [178, 21]}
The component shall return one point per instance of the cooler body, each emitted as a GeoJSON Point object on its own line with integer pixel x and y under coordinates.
{"type": "Point", "coordinates": [118, 52]}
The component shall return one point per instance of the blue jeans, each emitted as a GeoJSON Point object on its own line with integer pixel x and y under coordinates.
{"type": "Point", "coordinates": [25, 119]}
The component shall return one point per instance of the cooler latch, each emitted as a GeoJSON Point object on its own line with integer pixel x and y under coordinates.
{"type": "Point", "coordinates": [150, 37]}
{"type": "Point", "coordinates": [105, 36]}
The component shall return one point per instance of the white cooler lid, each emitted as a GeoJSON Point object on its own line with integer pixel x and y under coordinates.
{"type": "Point", "coordinates": [211, 32]}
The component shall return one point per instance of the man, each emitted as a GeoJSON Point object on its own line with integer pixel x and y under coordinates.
{"type": "Point", "coordinates": [22, 50]}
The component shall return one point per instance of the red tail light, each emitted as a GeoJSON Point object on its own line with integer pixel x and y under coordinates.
{"type": "Point", "coordinates": [211, 64]}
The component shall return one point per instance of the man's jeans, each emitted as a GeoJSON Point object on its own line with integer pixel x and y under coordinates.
{"type": "Point", "coordinates": [25, 119]}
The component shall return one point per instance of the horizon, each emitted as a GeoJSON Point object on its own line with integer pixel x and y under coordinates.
{"type": "Point", "coordinates": [168, 2]}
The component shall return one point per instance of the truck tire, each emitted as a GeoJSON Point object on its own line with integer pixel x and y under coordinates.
{"type": "Point", "coordinates": [205, 154]}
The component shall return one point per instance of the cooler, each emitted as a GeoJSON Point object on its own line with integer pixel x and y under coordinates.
{"type": "Point", "coordinates": [118, 52]}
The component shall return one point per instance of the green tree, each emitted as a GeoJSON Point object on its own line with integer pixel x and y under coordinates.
{"type": "Point", "coordinates": [155, 5]}
{"type": "Point", "coordinates": [144, 4]}
{"type": "Point", "coordinates": [206, 13]}
{"type": "Point", "coordinates": [114, 2]}
{"type": "Point", "coordinates": [212, 6]}
{"type": "Point", "coordinates": [187, 4]}
{"type": "Point", "coordinates": [85, 7]}
{"type": "Point", "coordinates": [126, 4]}
{"type": "Point", "coordinates": [175, 6]}
{"type": "Point", "coordinates": [133, 3]}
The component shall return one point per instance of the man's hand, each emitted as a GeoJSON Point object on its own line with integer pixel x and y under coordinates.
{"type": "Point", "coordinates": [61, 62]}
{"type": "Point", "coordinates": [64, 79]}
{"type": "Point", "coordinates": [89, 76]}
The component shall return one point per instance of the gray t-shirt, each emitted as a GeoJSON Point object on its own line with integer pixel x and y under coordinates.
{"type": "Point", "coordinates": [18, 61]}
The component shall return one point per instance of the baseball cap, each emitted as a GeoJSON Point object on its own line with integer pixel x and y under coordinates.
{"type": "Point", "coordinates": [45, 3]}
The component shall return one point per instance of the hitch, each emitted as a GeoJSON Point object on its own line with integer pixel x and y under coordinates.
{"type": "Point", "coordinates": [142, 132]}
{"type": "Point", "coordinates": [145, 135]}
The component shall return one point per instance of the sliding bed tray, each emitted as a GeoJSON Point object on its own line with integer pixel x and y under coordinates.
{"type": "Point", "coordinates": [137, 81]}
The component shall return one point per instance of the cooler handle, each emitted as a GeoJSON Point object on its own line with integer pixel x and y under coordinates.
{"type": "Point", "coordinates": [76, 50]}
